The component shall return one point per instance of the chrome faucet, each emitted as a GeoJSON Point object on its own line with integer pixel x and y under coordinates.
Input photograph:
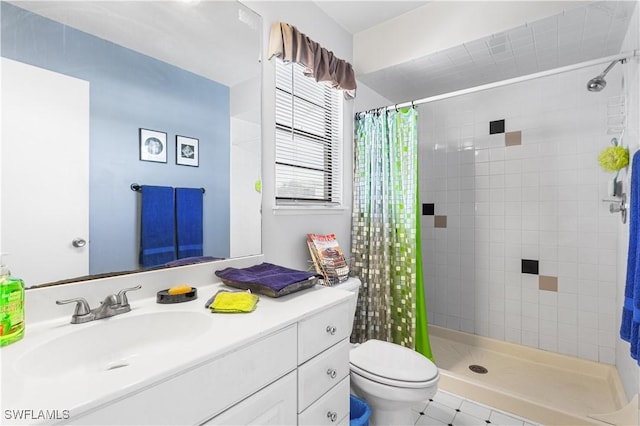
{"type": "Point", "coordinates": [113, 304]}
{"type": "Point", "coordinates": [108, 308]}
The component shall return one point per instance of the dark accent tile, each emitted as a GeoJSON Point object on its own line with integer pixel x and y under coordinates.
{"type": "Point", "coordinates": [513, 138]}
{"type": "Point", "coordinates": [529, 266]}
{"type": "Point", "coordinates": [440, 221]}
{"type": "Point", "coordinates": [496, 127]}
{"type": "Point", "coordinates": [428, 209]}
{"type": "Point", "coordinates": [548, 283]}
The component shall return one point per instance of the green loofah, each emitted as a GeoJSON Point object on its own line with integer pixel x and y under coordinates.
{"type": "Point", "coordinates": [614, 158]}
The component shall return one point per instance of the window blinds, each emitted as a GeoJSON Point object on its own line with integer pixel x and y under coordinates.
{"type": "Point", "coordinates": [308, 138]}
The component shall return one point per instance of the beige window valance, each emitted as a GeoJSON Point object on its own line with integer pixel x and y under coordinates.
{"type": "Point", "coordinates": [290, 45]}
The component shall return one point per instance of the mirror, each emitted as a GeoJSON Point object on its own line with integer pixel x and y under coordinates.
{"type": "Point", "coordinates": [181, 69]}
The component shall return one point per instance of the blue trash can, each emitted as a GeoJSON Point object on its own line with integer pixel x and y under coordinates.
{"type": "Point", "coordinates": [359, 412]}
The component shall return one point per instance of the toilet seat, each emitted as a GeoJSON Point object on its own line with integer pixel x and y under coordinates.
{"type": "Point", "coordinates": [392, 365]}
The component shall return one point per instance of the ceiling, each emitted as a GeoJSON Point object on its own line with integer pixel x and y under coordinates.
{"type": "Point", "coordinates": [356, 16]}
{"type": "Point", "coordinates": [583, 33]}
{"type": "Point", "coordinates": [174, 32]}
{"type": "Point", "coordinates": [580, 34]}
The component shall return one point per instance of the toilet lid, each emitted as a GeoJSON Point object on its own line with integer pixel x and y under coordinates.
{"type": "Point", "coordinates": [391, 361]}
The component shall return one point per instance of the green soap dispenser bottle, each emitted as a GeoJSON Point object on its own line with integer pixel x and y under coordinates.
{"type": "Point", "coordinates": [11, 307]}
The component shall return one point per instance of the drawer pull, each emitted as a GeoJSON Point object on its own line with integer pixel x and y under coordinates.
{"type": "Point", "coordinates": [332, 373]}
{"type": "Point", "coordinates": [332, 415]}
{"type": "Point", "coordinates": [331, 330]}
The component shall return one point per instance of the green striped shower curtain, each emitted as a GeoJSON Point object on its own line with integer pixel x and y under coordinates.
{"type": "Point", "coordinates": [385, 236]}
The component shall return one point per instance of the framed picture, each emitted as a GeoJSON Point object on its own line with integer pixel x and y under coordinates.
{"type": "Point", "coordinates": [153, 146]}
{"type": "Point", "coordinates": [187, 152]}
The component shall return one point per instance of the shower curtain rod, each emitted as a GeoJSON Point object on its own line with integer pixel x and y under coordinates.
{"type": "Point", "coordinates": [625, 55]}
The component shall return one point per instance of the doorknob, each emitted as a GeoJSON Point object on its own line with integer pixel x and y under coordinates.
{"type": "Point", "coordinates": [79, 242]}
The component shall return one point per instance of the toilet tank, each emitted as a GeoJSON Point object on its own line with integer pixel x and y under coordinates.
{"type": "Point", "coordinates": [352, 285]}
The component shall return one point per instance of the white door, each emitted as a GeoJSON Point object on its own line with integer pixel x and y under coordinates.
{"type": "Point", "coordinates": [44, 156]}
{"type": "Point", "coordinates": [245, 196]}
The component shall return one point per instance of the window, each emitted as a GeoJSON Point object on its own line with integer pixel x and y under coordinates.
{"type": "Point", "coordinates": [308, 139]}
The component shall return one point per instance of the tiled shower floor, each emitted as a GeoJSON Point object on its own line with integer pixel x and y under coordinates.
{"type": "Point", "coordinates": [448, 409]}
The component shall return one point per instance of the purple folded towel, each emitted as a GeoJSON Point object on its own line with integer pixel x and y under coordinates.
{"type": "Point", "coordinates": [266, 274]}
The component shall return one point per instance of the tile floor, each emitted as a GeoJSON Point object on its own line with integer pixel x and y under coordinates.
{"type": "Point", "coordinates": [447, 409]}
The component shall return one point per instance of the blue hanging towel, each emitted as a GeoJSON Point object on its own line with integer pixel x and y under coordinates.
{"type": "Point", "coordinates": [189, 222]}
{"type": "Point", "coordinates": [630, 325]}
{"type": "Point", "coordinates": [157, 226]}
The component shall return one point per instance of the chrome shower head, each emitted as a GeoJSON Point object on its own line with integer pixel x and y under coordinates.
{"type": "Point", "coordinates": [598, 83]}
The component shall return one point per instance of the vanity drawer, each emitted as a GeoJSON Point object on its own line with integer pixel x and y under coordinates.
{"type": "Point", "coordinates": [322, 330]}
{"type": "Point", "coordinates": [319, 374]}
{"type": "Point", "coordinates": [331, 409]}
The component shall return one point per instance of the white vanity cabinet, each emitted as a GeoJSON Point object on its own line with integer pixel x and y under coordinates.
{"type": "Point", "coordinates": [319, 390]}
{"type": "Point", "coordinates": [323, 373]}
{"type": "Point", "coordinates": [286, 363]}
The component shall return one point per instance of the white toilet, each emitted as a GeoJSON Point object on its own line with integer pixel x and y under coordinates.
{"type": "Point", "coordinates": [391, 378]}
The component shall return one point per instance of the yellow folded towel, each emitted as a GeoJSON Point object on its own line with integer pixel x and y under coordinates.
{"type": "Point", "coordinates": [232, 302]}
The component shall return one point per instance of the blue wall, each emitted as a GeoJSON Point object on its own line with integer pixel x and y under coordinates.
{"type": "Point", "coordinates": [131, 91]}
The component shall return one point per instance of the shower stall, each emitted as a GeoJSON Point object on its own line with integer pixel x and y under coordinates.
{"type": "Point", "coordinates": [519, 243]}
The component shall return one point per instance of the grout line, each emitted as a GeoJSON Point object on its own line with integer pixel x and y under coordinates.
{"type": "Point", "coordinates": [442, 397]}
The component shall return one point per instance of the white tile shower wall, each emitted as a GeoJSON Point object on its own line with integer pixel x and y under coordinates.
{"type": "Point", "coordinates": [627, 367]}
{"type": "Point", "coordinates": [540, 200]}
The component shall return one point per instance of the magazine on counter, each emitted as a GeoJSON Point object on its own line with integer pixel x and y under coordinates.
{"type": "Point", "coordinates": [328, 258]}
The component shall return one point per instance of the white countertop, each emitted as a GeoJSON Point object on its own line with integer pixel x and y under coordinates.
{"type": "Point", "coordinates": [79, 391]}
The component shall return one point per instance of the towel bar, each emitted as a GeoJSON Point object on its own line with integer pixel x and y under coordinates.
{"type": "Point", "coordinates": [137, 187]}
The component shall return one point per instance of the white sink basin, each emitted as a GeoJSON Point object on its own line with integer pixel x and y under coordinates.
{"type": "Point", "coordinates": [113, 343]}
